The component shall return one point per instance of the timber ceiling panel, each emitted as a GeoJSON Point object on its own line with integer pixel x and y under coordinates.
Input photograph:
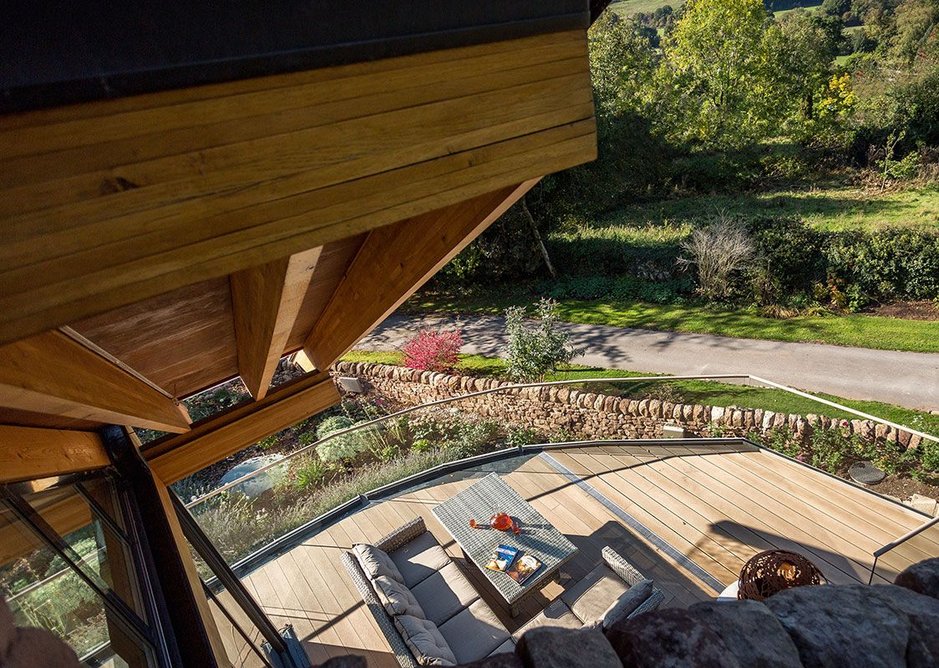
{"type": "Point", "coordinates": [333, 263]}
{"type": "Point", "coordinates": [182, 340]}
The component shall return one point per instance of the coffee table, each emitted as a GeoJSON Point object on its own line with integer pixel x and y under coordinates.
{"type": "Point", "coordinates": [538, 538]}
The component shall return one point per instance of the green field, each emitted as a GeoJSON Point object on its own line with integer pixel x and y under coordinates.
{"type": "Point", "coordinates": [700, 392]}
{"type": "Point", "coordinates": [830, 208]}
{"type": "Point", "coordinates": [630, 7]}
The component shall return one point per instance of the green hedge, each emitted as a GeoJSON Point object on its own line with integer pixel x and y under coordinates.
{"type": "Point", "coordinates": [797, 263]}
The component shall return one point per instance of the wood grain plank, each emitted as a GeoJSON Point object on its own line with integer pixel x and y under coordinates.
{"type": "Point", "coordinates": [266, 300]}
{"type": "Point", "coordinates": [393, 262]}
{"type": "Point", "coordinates": [54, 374]}
{"type": "Point", "coordinates": [27, 453]}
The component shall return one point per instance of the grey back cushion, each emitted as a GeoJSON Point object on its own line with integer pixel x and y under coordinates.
{"type": "Point", "coordinates": [376, 562]}
{"type": "Point", "coordinates": [397, 599]}
{"type": "Point", "coordinates": [424, 640]}
{"type": "Point", "coordinates": [626, 604]}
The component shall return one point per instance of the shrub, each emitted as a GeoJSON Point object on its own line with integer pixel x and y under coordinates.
{"type": "Point", "coordinates": [721, 252]}
{"type": "Point", "coordinates": [308, 471]}
{"type": "Point", "coordinates": [433, 351]}
{"type": "Point", "coordinates": [790, 256]}
{"type": "Point", "coordinates": [892, 263]}
{"type": "Point", "coordinates": [340, 448]}
{"type": "Point", "coordinates": [534, 349]}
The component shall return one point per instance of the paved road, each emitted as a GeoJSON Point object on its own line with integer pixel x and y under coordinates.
{"type": "Point", "coordinates": [902, 378]}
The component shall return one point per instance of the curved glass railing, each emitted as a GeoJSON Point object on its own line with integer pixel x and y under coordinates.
{"type": "Point", "coordinates": [375, 445]}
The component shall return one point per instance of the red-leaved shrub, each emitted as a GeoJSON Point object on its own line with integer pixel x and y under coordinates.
{"type": "Point", "coordinates": [433, 351]}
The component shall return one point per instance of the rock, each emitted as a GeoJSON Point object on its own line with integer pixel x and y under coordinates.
{"type": "Point", "coordinates": [669, 638]}
{"type": "Point", "coordinates": [504, 660]}
{"type": "Point", "coordinates": [750, 632]}
{"type": "Point", "coordinates": [922, 650]}
{"type": "Point", "coordinates": [923, 504]}
{"type": "Point", "coordinates": [834, 626]}
{"type": "Point", "coordinates": [347, 661]}
{"type": "Point", "coordinates": [922, 578]}
{"type": "Point", "coordinates": [552, 647]}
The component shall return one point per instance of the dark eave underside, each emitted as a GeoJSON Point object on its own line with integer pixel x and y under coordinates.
{"type": "Point", "coordinates": [61, 53]}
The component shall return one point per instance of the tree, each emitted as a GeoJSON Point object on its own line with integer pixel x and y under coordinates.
{"type": "Point", "coordinates": [716, 60]}
{"type": "Point", "coordinates": [622, 65]}
{"type": "Point", "coordinates": [803, 50]}
{"type": "Point", "coordinates": [536, 347]}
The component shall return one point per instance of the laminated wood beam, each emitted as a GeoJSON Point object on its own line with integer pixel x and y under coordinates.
{"type": "Point", "coordinates": [115, 202]}
{"type": "Point", "coordinates": [393, 262]}
{"type": "Point", "coordinates": [29, 452]}
{"type": "Point", "coordinates": [216, 438]}
{"type": "Point", "coordinates": [56, 374]}
{"type": "Point", "coordinates": [265, 302]}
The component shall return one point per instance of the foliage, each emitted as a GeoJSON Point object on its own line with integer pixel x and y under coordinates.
{"type": "Point", "coordinates": [720, 252]}
{"type": "Point", "coordinates": [536, 348]}
{"type": "Point", "coordinates": [339, 448]}
{"type": "Point", "coordinates": [433, 350]}
{"type": "Point", "coordinates": [308, 471]}
{"type": "Point", "coordinates": [718, 67]}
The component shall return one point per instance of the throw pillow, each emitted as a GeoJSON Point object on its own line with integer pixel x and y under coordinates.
{"type": "Point", "coordinates": [397, 599]}
{"type": "Point", "coordinates": [626, 604]}
{"type": "Point", "coordinates": [376, 562]}
{"type": "Point", "coordinates": [424, 640]}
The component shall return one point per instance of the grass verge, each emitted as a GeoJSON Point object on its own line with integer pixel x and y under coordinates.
{"type": "Point", "coordinates": [688, 391]}
{"type": "Point", "coordinates": [856, 330]}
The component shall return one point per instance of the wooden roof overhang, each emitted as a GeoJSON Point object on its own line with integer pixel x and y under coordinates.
{"type": "Point", "coordinates": [187, 195]}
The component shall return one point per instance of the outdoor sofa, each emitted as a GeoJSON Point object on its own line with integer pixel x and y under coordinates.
{"type": "Point", "coordinates": [432, 615]}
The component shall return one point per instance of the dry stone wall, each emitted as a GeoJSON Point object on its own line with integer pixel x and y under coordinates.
{"type": "Point", "coordinates": [585, 415]}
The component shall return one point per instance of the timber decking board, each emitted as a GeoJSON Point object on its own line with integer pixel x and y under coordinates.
{"type": "Point", "coordinates": [701, 500]}
{"type": "Point", "coordinates": [147, 199]}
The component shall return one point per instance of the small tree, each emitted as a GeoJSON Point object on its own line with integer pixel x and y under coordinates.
{"type": "Point", "coordinates": [536, 347]}
{"type": "Point", "coordinates": [433, 351]}
{"type": "Point", "coordinates": [719, 251]}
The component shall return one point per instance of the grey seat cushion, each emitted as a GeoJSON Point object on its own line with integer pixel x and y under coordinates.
{"type": "Point", "coordinates": [425, 641]}
{"type": "Point", "coordinates": [444, 594]}
{"type": "Point", "coordinates": [376, 562]}
{"type": "Point", "coordinates": [624, 606]}
{"type": "Point", "coordinates": [557, 614]}
{"type": "Point", "coordinates": [590, 598]}
{"type": "Point", "coordinates": [419, 559]}
{"type": "Point", "coordinates": [505, 648]}
{"type": "Point", "coordinates": [474, 633]}
{"type": "Point", "coordinates": [397, 598]}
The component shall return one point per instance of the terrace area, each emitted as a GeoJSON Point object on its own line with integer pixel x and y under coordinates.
{"type": "Point", "coordinates": [687, 514]}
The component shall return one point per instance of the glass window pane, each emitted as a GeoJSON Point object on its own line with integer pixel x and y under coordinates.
{"type": "Point", "coordinates": [44, 590]}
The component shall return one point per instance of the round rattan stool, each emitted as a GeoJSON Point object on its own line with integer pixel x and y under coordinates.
{"type": "Point", "coordinates": [770, 572]}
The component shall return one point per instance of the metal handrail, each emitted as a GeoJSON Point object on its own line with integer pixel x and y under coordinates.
{"type": "Point", "coordinates": [522, 386]}
{"type": "Point", "coordinates": [900, 541]}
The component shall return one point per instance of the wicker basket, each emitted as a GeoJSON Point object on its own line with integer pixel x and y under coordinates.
{"type": "Point", "coordinates": [770, 572]}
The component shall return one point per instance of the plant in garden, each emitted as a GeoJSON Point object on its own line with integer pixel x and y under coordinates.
{"type": "Point", "coordinates": [308, 470]}
{"type": "Point", "coordinates": [338, 448]}
{"type": "Point", "coordinates": [720, 251]}
{"type": "Point", "coordinates": [433, 351]}
{"type": "Point", "coordinates": [536, 347]}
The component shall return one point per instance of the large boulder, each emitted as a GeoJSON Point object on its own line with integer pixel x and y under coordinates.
{"type": "Point", "coordinates": [750, 632]}
{"type": "Point", "coordinates": [922, 650]}
{"type": "Point", "coordinates": [842, 626]}
{"type": "Point", "coordinates": [923, 578]}
{"type": "Point", "coordinates": [670, 638]}
{"type": "Point", "coordinates": [552, 647]}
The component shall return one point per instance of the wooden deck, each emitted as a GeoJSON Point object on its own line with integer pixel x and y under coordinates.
{"type": "Point", "coordinates": [686, 516]}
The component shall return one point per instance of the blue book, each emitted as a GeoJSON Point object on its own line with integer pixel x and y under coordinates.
{"type": "Point", "coordinates": [502, 558]}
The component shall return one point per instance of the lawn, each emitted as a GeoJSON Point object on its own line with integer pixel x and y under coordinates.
{"type": "Point", "coordinates": [630, 7]}
{"type": "Point", "coordinates": [832, 208]}
{"type": "Point", "coordinates": [857, 330]}
{"type": "Point", "coordinates": [700, 392]}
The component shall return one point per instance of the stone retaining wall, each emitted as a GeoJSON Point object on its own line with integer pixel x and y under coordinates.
{"type": "Point", "coordinates": [588, 415]}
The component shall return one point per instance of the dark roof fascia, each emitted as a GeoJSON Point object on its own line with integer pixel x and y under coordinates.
{"type": "Point", "coordinates": [53, 54]}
